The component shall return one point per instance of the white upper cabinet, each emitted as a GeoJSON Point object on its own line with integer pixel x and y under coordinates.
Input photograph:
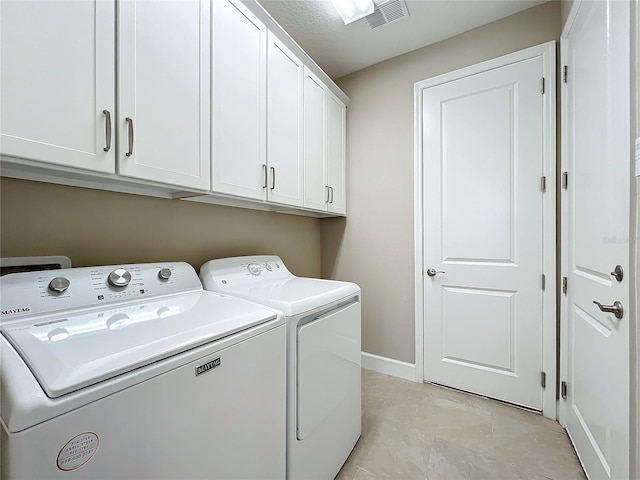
{"type": "Point", "coordinates": [57, 62]}
{"type": "Point", "coordinates": [239, 101]}
{"type": "Point", "coordinates": [324, 148]}
{"type": "Point", "coordinates": [316, 192]}
{"type": "Point", "coordinates": [284, 124]}
{"type": "Point", "coordinates": [164, 91]}
{"type": "Point", "coordinates": [336, 164]}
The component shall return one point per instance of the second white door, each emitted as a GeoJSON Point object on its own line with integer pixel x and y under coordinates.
{"type": "Point", "coordinates": [483, 232]}
{"type": "Point", "coordinates": [597, 157]}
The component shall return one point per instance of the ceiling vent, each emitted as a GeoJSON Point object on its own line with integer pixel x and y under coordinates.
{"type": "Point", "coordinates": [389, 12]}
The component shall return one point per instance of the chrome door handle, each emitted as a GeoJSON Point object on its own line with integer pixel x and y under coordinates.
{"type": "Point", "coordinates": [432, 272]}
{"type": "Point", "coordinates": [129, 120]}
{"type": "Point", "coordinates": [264, 175]}
{"type": "Point", "coordinates": [617, 309]}
{"type": "Point", "coordinates": [108, 130]}
{"type": "Point", "coordinates": [273, 178]}
{"type": "Point", "coordinates": [327, 187]}
{"type": "Point", "coordinates": [331, 191]}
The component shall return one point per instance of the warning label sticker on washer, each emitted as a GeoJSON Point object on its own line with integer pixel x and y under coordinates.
{"type": "Point", "coordinates": [78, 451]}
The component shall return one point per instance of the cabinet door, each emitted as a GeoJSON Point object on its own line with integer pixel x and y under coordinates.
{"type": "Point", "coordinates": [57, 62]}
{"type": "Point", "coordinates": [336, 165]}
{"type": "Point", "coordinates": [163, 88]}
{"type": "Point", "coordinates": [239, 101]}
{"type": "Point", "coordinates": [284, 124]}
{"type": "Point", "coordinates": [315, 153]}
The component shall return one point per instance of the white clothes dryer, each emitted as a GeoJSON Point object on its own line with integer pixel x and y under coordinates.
{"type": "Point", "coordinates": [323, 356]}
{"type": "Point", "coordinates": [134, 371]}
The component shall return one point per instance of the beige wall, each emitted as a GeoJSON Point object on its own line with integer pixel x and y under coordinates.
{"type": "Point", "coordinates": [565, 8]}
{"type": "Point", "coordinates": [94, 227]}
{"type": "Point", "coordinates": [374, 245]}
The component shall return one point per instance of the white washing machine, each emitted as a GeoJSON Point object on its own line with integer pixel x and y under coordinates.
{"type": "Point", "coordinates": [136, 372]}
{"type": "Point", "coordinates": [323, 356]}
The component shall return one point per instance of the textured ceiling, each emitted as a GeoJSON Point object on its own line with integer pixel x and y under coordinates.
{"type": "Point", "coordinates": [341, 49]}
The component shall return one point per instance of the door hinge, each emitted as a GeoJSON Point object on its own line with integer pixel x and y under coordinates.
{"type": "Point", "coordinates": [543, 379]}
{"type": "Point", "coordinates": [565, 75]}
{"type": "Point", "coordinates": [563, 390]}
{"type": "Point", "coordinates": [544, 281]}
{"type": "Point", "coordinates": [543, 184]}
{"type": "Point", "coordinates": [564, 285]}
{"type": "Point", "coordinates": [543, 86]}
{"type": "Point", "coordinates": [565, 180]}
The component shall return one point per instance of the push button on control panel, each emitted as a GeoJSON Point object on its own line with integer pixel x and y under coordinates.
{"type": "Point", "coordinates": [119, 278]}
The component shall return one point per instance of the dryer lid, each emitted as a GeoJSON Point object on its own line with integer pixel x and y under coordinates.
{"type": "Point", "coordinates": [294, 296]}
{"type": "Point", "coordinates": [67, 353]}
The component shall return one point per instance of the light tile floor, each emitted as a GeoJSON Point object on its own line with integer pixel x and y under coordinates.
{"type": "Point", "coordinates": [423, 431]}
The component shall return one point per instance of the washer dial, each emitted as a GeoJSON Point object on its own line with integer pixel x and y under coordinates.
{"type": "Point", "coordinates": [59, 284]}
{"type": "Point", "coordinates": [119, 278]}
{"type": "Point", "coordinates": [164, 273]}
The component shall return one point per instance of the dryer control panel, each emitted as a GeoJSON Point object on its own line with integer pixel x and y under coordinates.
{"type": "Point", "coordinates": [49, 291]}
{"type": "Point", "coordinates": [231, 272]}
{"type": "Point", "coordinates": [261, 267]}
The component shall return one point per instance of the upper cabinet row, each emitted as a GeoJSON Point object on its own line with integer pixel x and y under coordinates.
{"type": "Point", "coordinates": [229, 111]}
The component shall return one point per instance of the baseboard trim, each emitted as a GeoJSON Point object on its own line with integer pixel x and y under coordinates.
{"type": "Point", "coordinates": [389, 366]}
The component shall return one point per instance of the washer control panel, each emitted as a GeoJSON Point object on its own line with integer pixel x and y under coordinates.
{"type": "Point", "coordinates": [41, 292]}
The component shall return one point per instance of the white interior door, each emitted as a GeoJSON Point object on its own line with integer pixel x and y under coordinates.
{"type": "Point", "coordinates": [597, 157]}
{"type": "Point", "coordinates": [482, 154]}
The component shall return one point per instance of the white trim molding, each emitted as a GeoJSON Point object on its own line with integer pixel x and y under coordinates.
{"type": "Point", "coordinates": [546, 51]}
{"type": "Point", "coordinates": [389, 366]}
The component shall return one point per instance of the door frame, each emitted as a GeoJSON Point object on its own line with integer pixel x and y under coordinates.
{"type": "Point", "coordinates": [634, 228]}
{"type": "Point", "coordinates": [547, 51]}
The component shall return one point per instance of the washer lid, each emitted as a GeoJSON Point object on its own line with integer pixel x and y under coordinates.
{"type": "Point", "coordinates": [67, 353]}
{"type": "Point", "coordinates": [296, 295]}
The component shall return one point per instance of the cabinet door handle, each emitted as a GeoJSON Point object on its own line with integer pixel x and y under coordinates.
{"type": "Point", "coordinates": [273, 178]}
{"type": "Point", "coordinates": [331, 190]}
{"type": "Point", "coordinates": [327, 187]}
{"type": "Point", "coordinates": [129, 120]}
{"type": "Point", "coordinates": [108, 130]}
{"type": "Point", "coordinates": [264, 176]}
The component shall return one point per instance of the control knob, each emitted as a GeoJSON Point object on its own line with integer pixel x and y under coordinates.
{"type": "Point", "coordinates": [254, 269]}
{"type": "Point", "coordinates": [119, 278]}
{"type": "Point", "coordinates": [164, 273]}
{"type": "Point", "coordinates": [59, 284]}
